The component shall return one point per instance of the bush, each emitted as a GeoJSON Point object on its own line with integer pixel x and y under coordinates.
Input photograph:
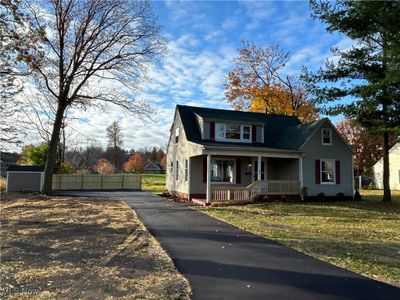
{"type": "Point", "coordinates": [304, 191]}
{"type": "Point", "coordinates": [321, 196]}
{"type": "Point", "coordinates": [357, 196]}
{"type": "Point", "coordinates": [3, 184]}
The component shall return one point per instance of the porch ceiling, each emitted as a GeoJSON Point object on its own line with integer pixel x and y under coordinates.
{"type": "Point", "coordinates": [250, 151]}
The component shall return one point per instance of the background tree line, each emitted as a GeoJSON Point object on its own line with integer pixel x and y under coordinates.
{"type": "Point", "coordinates": [93, 157]}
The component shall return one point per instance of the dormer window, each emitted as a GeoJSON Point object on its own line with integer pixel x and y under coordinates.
{"type": "Point", "coordinates": [232, 132]}
{"type": "Point", "coordinates": [326, 134]}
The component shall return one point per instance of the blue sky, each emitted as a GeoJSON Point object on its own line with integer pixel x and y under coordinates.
{"type": "Point", "coordinates": [203, 39]}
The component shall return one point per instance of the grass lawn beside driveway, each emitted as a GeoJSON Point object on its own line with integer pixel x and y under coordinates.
{"type": "Point", "coordinates": [363, 236]}
{"type": "Point", "coordinates": [81, 248]}
{"type": "Point", "coordinates": [153, 182]}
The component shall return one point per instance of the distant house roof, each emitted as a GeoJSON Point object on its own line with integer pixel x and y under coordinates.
{"type": "Point", "coordinates": [153, 165]}
{"type": "Point", "coordinates": [25, 169]}
{"type": "Point", "coordinates": [280, 131]}
{"type": "Point", "coordinates": [8, 157]}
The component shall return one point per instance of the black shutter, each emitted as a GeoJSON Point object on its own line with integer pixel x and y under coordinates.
{"type": "Point", "coordinates": [212, 130]}
{"type": "Point", "coordinates": [317, 171]}
{"type": "Point", "coordinates": [337, 171]}
{"type": "Point", "coordinates": [254, 133]}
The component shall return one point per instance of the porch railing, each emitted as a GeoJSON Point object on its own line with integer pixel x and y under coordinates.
{"type": "Point", "coordinates": [230, 193]}
{"type": "Point", "coordinates": [260, 187]}
{"type": "Point", "coordinates": [274, 187]}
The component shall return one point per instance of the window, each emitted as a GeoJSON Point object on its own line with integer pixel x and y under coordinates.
{"type": "Point", "coordinates": [177, 135]}
{"type": "Point", "coordinates": [328, 171]}
{"type": "Point", "coordinates": [232, 132]}
{"type": "Point", "coordinates": [246, 132]}
{"type": "Point", "coordinates": [222, 170]}
{"type": "Point", "coordinates": [186, 170]}
{"type": "Point", "coordinates": [171, 167]}
{"type": "Point", "coordinates": [177, 170]}
{"type": "Point", "coordinates": [326, 136]}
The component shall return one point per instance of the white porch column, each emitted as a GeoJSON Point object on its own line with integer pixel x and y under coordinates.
{"type": "Point", "coordinates": [301, 175]}
{"type": "Point", "coordinates": [208, 195]}
{"type": "Point", "coordinates": [259, 167]}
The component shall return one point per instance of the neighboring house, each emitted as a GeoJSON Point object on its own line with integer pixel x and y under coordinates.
{"type": "Point", "coordinates": [7, 159]}
{"type": "Point", "coordinates": [215, 154]}
{"type": "Point", "coordinates": [394, 169]}
{"type": "Point", "coordinates": [20, 178]}
{"type": "Point", "coordinates": [154, 168]}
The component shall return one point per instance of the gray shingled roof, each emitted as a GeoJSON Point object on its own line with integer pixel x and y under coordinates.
{"type": "Point", "coordinates": [295, 136]}
{"type": "Point", "coordinates": [25, 169]}
{"type": "Point", "coordinates": [283, 132]}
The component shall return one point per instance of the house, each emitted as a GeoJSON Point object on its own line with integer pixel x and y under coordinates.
{"type": "Point", "coordinates": [394, 169]}
{"type": "Point", "coordinates": [216, 154]}
{"type": "Point", "coordinates": [7, 159]}
{"type": "Point", "coordinates": [20, 178]}
{"type": "Point", "coordinates": [154, 168]}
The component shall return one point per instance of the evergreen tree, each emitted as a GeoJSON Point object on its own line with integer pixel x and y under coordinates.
{"type": "Point", "coordinates": [364, 83]}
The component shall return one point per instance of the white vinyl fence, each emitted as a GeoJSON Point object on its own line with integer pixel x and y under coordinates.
{"type": "Point", "coordinates": [96, 182]}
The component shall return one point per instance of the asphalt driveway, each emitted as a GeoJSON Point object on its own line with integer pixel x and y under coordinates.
{"type": "Point", "coordinates": [223, 262]}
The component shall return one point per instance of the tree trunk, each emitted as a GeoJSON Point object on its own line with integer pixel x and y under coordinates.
{"type": "Point", "coordinates": [386, 173]}
{"type": "Point", "coordinates": [51, 155]}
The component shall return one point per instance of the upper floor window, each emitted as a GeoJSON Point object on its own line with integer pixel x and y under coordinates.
{"type": "Point", "coordinates": [232, 132]}
{"type": "Point", "coordinates": [177, 135]}
{"type": "Point", "coordinates": [326, 134]}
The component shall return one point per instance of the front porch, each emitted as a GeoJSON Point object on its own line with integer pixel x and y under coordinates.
{"type": "Point", "coordinates": [259, 187]}
{"type": "Point", "coordinates": [237, 176]}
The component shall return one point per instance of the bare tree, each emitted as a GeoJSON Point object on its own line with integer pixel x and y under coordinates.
{"type": "Point", "coordinates": [17, 39]}
{"type": "Point", "coordinates": [96, 52]}
{"type": "Point", "coordinates": [114, 135]}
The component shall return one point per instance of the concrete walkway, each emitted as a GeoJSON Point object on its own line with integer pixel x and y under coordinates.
{"type": "Point", "coordinates": [223, 262]}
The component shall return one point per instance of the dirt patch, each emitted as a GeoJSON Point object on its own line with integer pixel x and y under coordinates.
{"type": "Point", "coordinates": [81, 248]}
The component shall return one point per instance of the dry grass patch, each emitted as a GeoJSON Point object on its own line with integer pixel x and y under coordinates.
{"type": "Point", "coordinates": [360, 236]}
{"type": "Point", "coordinates": [81, 248]}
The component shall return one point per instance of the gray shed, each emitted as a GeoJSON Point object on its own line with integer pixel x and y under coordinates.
{"type": "Point", "coordinates": [20, 178]}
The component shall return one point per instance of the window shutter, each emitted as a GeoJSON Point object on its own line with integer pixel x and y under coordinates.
{"type": "Point", "coordinates": [204, 169]}
{"type": "Point", "coordinates": [238, 171]}
{"type": "Point", "coordinates": [253, 133]}
{"type": "Point", "coordinates": [317, 171]}
{"type": "Point", "coordinates": [337, 171]}
{"type": "Point", "coordinates": [212, 130]}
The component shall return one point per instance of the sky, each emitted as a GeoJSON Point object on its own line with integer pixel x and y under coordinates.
{"type": "Point", "coordinates": [203, 40]}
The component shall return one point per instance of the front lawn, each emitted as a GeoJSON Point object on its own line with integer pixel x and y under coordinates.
{"type": "Point", "coordinates": [153, 182]}
{"type": "Point", "coordinates": [81, 248]}
{"type": "Point", "coordinates": [360, 236]}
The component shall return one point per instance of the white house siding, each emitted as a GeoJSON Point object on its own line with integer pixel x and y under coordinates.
{"type": "Point", "coordinates": [394, 169]}
{"type": "Point", "coordinates": [179, 152]}
{"type": "Point", "coordinates": [314, 150]}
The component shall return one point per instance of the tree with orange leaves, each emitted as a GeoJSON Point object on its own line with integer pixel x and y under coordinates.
{"type": "Point", "coordinates": [135, 163]}
{"type": "Point", "coordinates": [257, 84]}
{"type": "Point", "coordinates": [103, 166]}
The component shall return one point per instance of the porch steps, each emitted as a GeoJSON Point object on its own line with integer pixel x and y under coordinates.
{"type": "Point", "coordinates": [199, 201]}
